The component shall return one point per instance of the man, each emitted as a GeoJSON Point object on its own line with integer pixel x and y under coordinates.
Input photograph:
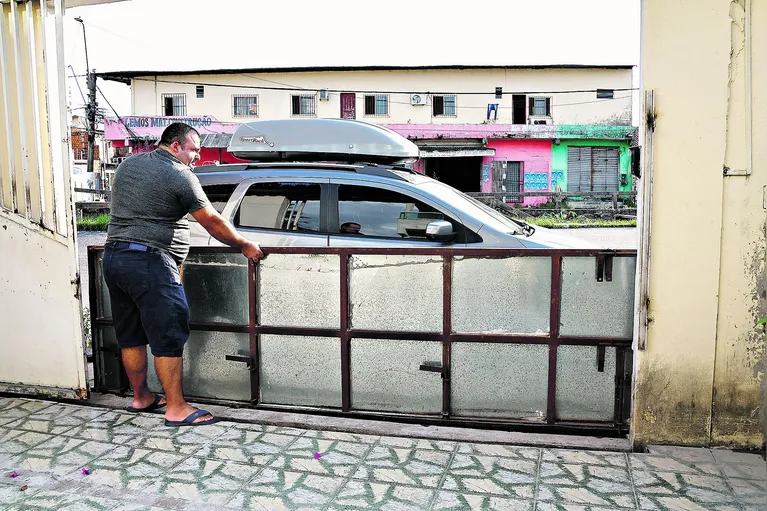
{"type": "Point", "coordinates": [350, 228]}
{"type": "Point", "coordinates": [147, 240]}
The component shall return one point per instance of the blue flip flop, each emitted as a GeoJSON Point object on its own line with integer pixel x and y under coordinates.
{"type": "Point", "coordinates": [189, 421]}
{"type": "Point", "coordinates": [154, 406]}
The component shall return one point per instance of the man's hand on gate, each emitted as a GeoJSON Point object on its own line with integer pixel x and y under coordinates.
{"type": "Point", "coordinates": [252, 251]}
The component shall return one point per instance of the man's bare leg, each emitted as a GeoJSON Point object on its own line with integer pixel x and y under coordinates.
{"type": "Point", "coordinates": [169, 370]}
{"type": "Point", "coordinates": [134, 360]}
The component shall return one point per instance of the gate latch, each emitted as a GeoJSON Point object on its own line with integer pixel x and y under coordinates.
{"type": "Point", "coordinates": [434, 367]}
{"type": "Point", "coordinates": [245, 360]}
{"type": "Point", "coordinates": [605, 266]}
{"type": "Point", "coordinates": [601, 358]}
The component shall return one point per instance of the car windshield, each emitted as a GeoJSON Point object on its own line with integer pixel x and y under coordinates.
{"type": "Point", "coordinates": [472, 206]}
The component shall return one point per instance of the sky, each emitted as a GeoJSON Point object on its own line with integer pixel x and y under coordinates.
{"type": "Point", "coordinates": [203, 34]}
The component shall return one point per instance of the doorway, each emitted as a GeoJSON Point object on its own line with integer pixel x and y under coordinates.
{"type": "Point", "coordinates": [463, 173]}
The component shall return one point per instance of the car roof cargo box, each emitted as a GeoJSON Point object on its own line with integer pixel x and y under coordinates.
{"type": "Point", "coordinates": [314, 140]}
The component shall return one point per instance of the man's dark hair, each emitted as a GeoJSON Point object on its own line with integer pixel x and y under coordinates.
{"type": "Point", "coordinates": [176, 132]}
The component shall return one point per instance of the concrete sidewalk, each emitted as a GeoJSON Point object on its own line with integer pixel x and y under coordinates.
{"type": "Point", "coordinates": [136, 463]}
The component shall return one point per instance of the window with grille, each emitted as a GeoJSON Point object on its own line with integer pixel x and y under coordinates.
{"type": "Point", "coordinates": [540, 106]}
{"type": "Point", "coordinates": [377, 105]}
{"type": "Point", "coordinates": [174, 104]}
{"type": "Point", "coordinates": [244, 106]}
{"type": "Point", "coordinates": [443, 106]}
{"type": "Point", "coordinates": [303, 105]}
{"type": "Point", "coordinates": [200, 90]}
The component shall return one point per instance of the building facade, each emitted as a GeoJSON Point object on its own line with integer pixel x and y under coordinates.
{"type": "Point", "coordinates": [491, 129]}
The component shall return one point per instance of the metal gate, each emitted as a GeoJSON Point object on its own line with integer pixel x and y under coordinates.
{"type": "Point", "coordinates": [507, 180]}
{"type": "Point", "coordinates": [592, 169]}
{"type": "Point", "coordinates": [531, 338]}
{"type": "Point", "coordinates": [38, 266]}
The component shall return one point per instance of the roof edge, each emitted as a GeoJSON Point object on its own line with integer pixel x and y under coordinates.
{"type": "Point", "coordinates": [122, 76]}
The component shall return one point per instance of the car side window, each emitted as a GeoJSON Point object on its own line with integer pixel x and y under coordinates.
{"type": "Point", "coordinates": [218, 195]}
{"type": "Point", "coordinates": [367, 211]}
{"type": "Point", "coordinates": [281, 206]}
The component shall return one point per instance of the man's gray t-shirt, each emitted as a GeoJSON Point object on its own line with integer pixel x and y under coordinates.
{"type": "Point", "coordinates": [151, 196]}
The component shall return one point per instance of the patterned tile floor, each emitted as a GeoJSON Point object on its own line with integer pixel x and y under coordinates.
{"type": "Point", "coordinates": [136, 463]}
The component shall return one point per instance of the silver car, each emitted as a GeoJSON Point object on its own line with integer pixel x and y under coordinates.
{"type": "Point", "coordinates": [313, 204]}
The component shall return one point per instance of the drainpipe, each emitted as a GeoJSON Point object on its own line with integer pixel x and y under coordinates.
{"type": "Point", "coordinates": [749, 101]}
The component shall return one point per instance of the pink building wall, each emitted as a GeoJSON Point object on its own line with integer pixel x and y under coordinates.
{"type": "Point", "coordinates": [535, 156]}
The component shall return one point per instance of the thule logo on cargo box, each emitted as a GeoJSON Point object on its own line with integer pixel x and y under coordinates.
{"type": "Point", "coordinates": [253, 140]}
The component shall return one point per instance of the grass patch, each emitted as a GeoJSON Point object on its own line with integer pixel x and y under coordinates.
{"type": "Point", "coordinates": [557, 222]}
{"type": "Point", "coordinates": [93, 223]}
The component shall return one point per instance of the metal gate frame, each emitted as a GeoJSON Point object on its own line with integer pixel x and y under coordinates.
{"type": "Point", "coordinates": [604, 260]}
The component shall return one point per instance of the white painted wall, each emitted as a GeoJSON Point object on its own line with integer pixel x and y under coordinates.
{"type": "Point", "coordinates": [576, 108]}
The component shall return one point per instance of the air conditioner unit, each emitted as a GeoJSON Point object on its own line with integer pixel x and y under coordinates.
{"type": "Point", "coordinates": [324, 95]}
{"type": "Point", "coordinates": [418, 99]}
{"type": "Point", "coordinates": [545, 120]}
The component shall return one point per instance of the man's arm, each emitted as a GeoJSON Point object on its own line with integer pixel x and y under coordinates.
{"type": "Point", "coordinates": [221, 229]}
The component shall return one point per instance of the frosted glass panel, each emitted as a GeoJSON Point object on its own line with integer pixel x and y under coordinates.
{"type": "Point", "coordinates": [110, 376]}
{"type": "Point", "coordinates": [386, 376]}
{"type": "Point", "coordinates": [396, 293]}
{"type": "Point", "coordinates": [103, 303]}
{"type": "Point", "coordinates": [300, 291]}
{"type": "Point", "coordinates": [207, 373]}
{"type": "Point", "coordinates": [583, 393]}
{"type": "Point", "coordinates": [216, 287]}
{"type": "Point", "coordinates": [300, 370]}
{"type": "Point", "coordinates": [597, 309]}
{"type": "Point", "coordinates": [502, 295]}
{"type": "Point", "coordinates": [499, 380]}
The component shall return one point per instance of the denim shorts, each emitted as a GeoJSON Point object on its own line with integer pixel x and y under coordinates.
{"type": "Point", "coordinates": [148, 302]}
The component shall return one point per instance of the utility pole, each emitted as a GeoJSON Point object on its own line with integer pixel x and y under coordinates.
{"type": "Point", "coordinates": [90, 108]}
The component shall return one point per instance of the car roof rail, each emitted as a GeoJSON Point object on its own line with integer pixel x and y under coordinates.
{"type": "Point", "coordinates": [359, 168]}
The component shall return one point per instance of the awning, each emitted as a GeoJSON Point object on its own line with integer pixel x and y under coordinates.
{"type": "Point", "coordinates": [454, 152]}
{"type": "Point", "coordinates": [453, 148]}
{"type": "Point", "coordinates": [210, 140]}
{"type": "Point", "coordinates": [217, 140]}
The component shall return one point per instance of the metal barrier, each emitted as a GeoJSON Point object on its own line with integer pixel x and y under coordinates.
{"type": "Point", "coordinates": [522, 338]}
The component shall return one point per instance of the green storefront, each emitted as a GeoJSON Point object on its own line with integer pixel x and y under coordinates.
{"type": "Point", "coordinates": [591, 159]}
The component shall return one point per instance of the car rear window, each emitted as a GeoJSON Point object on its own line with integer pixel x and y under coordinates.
{"type": "Point", "coordinates": [218, 195]}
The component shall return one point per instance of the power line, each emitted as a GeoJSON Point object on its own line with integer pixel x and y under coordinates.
{"type": "Point", "coordinates": [77, 82]}
{"type": "Point", "coordinates": [307, 89]}
{"type": "Point", "coordinates": [130, 131]}
{"type": "Point", "coordinates": [97, 27]}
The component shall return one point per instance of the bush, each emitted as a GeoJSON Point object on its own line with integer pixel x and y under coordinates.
{"type": "Point", "coordinates": [93, 223]}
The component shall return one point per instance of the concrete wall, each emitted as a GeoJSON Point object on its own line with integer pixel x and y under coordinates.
{"type": "Point", "coordinates": [566, 108]}
{"type": "Point", "coordinates": [698, 382]}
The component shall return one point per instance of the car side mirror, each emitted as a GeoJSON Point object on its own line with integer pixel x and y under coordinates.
{"type": "Point", "coordinates": [440, 230]}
